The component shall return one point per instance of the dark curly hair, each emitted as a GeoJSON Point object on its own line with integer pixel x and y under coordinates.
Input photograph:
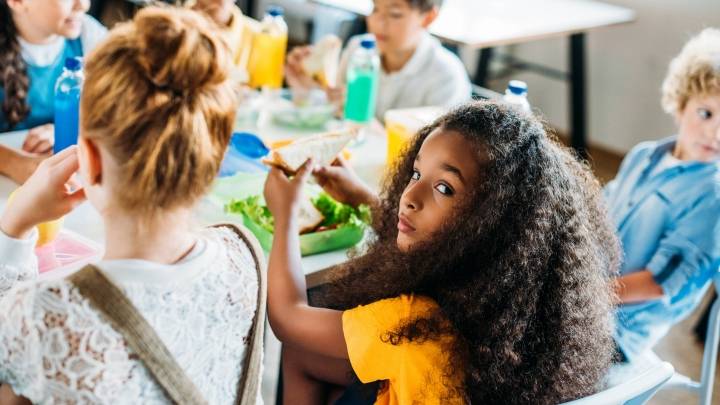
{"type": "Point", "coordinates": [523, 273]}
{"type": "Point", "coordinates": [13, 72]}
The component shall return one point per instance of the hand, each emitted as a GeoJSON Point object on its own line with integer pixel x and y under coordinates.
{"type": "Point", "coordinates": [40, 140]}
{"type": "Point", "coordinates": [48, 194]}
{"type": "Point", "coordinates": [295, 72]}
{"type": "Point", "coordinates": [341, 182]}
{"type": "Point", "coordinates": [21, 165]}
{"type": "Point", "coordinates": [283, 195]}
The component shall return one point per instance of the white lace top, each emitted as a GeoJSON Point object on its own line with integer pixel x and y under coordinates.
{"type": "Point", "coordinates": [56, 349]}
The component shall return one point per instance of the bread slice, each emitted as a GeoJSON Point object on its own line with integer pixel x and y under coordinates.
{"type": "Point", "coordinates": [322, 148]}
{"type": "Point", "coordinates": [309, 217]}
{"type": "Point", "coordinates": [322, 63]}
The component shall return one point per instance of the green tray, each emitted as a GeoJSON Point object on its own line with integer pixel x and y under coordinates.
{"type": "Point", "coordinates": [311, 243]}
{"type": "Point", "coordinates": [243, 185]}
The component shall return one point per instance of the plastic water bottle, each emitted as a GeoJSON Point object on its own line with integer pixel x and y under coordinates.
{"type": "Point", "coordinates": [267, 59]}
{"type": "Point", "coordinates": [516, 94]}
{"type": "Point", "coordinates": [67, 104]}
{"type": "Point", "coordinates": [362, 82]}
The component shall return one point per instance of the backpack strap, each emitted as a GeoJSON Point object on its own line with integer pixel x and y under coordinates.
{"type": "Point", "coordinates": [249, 384]}
{"type": "Point", "coordinates": [117, 309]}
{"type": "Point", "coordinates": [122, 315]}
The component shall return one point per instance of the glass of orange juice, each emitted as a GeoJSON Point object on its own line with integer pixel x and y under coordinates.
{"type": "Point", "coordinates": [401, 125]}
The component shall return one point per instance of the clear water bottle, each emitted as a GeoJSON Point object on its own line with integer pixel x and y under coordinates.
{"type": "Point", "coordinates": [67, 104]}
{"type": "Point", "coordinates": [516, 94]}
{"type": "Point", "coordinates": [362, 82]}
{"type": "Point", "coordinates": [267, 59]}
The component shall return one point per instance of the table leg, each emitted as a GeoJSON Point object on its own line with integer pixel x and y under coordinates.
{"type": "Point", "coordinates": [481, 72]}
{"type": "Point", "coordinates": [578, 96]}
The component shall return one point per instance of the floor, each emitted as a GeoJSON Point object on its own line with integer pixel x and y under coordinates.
{"type": "Point", "coordinates": [681, 349]}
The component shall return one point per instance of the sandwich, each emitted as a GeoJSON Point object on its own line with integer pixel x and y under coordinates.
{"type": "Point", "coordinates": [317, 214]}
{"type": "Point", "coordinates": [309, 217]}
{"type": "Point", "coordinates": [322, 148]}
{"type": "Point", "coordinates": [322, 63]}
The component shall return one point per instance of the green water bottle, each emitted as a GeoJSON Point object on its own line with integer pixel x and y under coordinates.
{"type": "Point", "coordinates": [362, 82]}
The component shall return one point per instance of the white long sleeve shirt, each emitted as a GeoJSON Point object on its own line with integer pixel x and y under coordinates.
{"type": "Point", "coordinates": [56, 348]}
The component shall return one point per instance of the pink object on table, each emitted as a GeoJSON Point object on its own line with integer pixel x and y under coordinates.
{"type": "Point", "coordinates": [68, 250]}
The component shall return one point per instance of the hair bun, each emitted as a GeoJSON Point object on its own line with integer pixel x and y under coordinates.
{"type": "Point", "coordinates": [178, 49]}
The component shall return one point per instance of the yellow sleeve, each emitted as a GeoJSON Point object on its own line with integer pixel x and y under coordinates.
{"type": "Point", "coordinates": [365, 328]}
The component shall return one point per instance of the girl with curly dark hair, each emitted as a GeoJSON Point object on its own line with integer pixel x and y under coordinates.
{"type": "Point", "coordinates": [487, 281]}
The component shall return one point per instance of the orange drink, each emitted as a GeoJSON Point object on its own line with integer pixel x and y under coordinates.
{"type": "Point", "coordinates": [267, 59]}
{"type": "Point", "coordinates": [401, 125]}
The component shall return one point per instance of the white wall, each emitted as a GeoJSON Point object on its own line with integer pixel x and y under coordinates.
{"type": "Point", "coordinates": [626, 65]}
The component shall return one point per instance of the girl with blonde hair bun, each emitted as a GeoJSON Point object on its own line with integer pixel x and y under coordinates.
{"type": "Point", "coordinates": [156, 115]}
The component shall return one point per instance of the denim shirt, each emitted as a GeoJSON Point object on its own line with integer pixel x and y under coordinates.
{"type": "Point", "coordinates": [667, 223]}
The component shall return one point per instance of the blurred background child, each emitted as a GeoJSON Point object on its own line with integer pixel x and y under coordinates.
{"type": "Point", "coordinates": [36, 36]}
{"type": "Point", "coordinates": [416, 70]}
{"type": "Point", "coordinates": [237, 29]}
{"type": "Point", "coordinates": [664, 204]}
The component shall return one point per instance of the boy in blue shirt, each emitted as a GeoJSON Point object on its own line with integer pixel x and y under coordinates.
{"type": "Point", "coordinates": [666, 206]}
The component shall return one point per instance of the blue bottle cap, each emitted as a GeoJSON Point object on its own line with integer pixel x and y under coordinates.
{"type": "Point", "coordinates": [367, 43]}
{"type": "Point", "coordinates": [73, 64]}
{"type": "Point", "coordinates": [275, 11]}
{"type": "Point", "coordinates": [517, 87]}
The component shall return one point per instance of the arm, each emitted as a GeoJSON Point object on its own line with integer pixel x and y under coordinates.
{"type": "Point", "coordinates": [18, 261]}
{"type": "Point", "coordinates": [294, 322]}
{"type": "Point", "coordinates": [637, 287]}
{"type": "Point", "coordinates": [8, 397]}
{"type": "Point", "coordinates": [683, 262]}
{"type": "Point", "coordinates": [341, 182]}
{"type": "Point", "coordinates": [17, 165]}
{"type": "Point", "coordinates": [48, 194]}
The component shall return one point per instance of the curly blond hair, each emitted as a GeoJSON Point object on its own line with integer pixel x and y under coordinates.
{"type": "Point", "coordinates": [694, 72]}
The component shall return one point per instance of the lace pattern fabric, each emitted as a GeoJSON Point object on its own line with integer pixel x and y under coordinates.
{"type": "Point", "coordinates": [55, 348]}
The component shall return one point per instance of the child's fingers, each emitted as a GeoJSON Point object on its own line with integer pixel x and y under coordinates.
{"type": "Point", "coordinates": [29, 143]}
{"type": "Point", "coordinates": [42, 147]}
{"type": "Point", "coordinates": [304, 171]}
{"type": "Point", "coordinates": [76, 197]}
{"type": "Point", "coordinates": [339, 161]}
{"type": "Point", "coordinates": [277, 175]}
{"type": "Point", "coordinates": [68, 165]}
{"type": "Point", "coordinates": [61, 156]}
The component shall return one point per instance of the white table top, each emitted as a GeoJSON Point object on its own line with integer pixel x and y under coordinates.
{"type": "Point", "coordinates": [488, 23]}
{"type": "Point", "coordinates": [368, 159]}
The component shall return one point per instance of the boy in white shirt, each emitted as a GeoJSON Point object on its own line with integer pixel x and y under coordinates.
{"type": "Point", "coordinates": [416, 70]}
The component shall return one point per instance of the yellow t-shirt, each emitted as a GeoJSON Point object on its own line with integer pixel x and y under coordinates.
{"type": "Point", "coordinates": [413, 372]}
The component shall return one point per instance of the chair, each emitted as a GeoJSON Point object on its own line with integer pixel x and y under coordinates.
{"type": "Point", "coordinates": [633, 391]}
{"type": "Point", "coordinates": [704, 388]}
